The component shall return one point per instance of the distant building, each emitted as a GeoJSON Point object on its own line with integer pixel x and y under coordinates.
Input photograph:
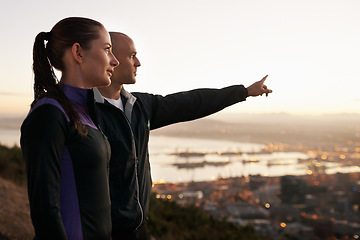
{"type": "Point", "coordinates": [343, 228]}
{"type": "Point", "coordinates": [324, 229]}
{"type": "Point", "coordinates": [342, 180]}
{"type": "Point", "coordinates": [293, 190]}
{"type": "Point", "coordinates": [285, 213]}
{"type": "Point", "coordinates": [355, 197]}
{"type": "Point", "coordinates": [257, 181]}
{"type": "Point", "coordinates": [245, 210]}
{"type": "Point", "coordinates": [190, 197]}
{"type": "Point", "coordinates": [297, 230]}
{"type": "Point", "coordinates": [268, 194]}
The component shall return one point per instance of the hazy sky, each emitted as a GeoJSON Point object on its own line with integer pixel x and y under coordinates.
{"type": "Point", "coordinates": [309, 48]}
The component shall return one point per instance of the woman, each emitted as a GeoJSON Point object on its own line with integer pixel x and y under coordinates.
{"type": "Point", "coordinates": [66, 154]}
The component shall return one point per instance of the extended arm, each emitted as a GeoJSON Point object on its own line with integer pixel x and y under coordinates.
{"type": "Point", "coordinates": [198, 103]}
{"type": "Point", "coordinates": [189, 105]}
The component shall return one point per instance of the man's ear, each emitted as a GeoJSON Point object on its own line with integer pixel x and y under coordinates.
{"type": "Point", "coordinates": [77, 52]}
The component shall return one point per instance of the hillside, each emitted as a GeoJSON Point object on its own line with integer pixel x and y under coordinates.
{"type": "Point", "coordinates": [15, 221]}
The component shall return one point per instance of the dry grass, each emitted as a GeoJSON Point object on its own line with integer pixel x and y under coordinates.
{"type": "Point", "coordinates": [15, 223]}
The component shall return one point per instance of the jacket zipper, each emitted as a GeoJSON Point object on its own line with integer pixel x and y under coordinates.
{"type": "Point", "coordinates": [136, 173]}
{"type": "Point", "coordinates": [138, 195]}
{"type": "Point", "coordinates": [106, 143]}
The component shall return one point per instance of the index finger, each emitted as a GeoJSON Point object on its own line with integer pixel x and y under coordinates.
{"type": "Point", "coordinates": [263, 79]}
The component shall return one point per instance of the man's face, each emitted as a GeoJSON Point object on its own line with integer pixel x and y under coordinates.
{"type": "Point", "coordinates": [125, 51]}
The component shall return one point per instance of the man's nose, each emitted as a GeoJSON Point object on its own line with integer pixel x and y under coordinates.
{"type": "Point", "coordinates": [137, 63]}
{"type": "Point", "coordinates": [114, 62]}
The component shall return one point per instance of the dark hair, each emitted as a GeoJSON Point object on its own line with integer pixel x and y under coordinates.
{"type": "Point", "coordinates": [48, 55]}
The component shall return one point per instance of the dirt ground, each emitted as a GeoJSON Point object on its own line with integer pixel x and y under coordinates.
{"type": "Point", "coordinates": [15, 223]}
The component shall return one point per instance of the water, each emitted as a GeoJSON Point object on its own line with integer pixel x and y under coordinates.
{"type": "Point", "coordinates": [248, 161]}
{"type": "Point", "coordinates": [10, 137]}
{"type": "Point", "coordinates": [212, 161]}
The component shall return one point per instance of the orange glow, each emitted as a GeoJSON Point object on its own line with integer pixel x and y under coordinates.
{"type": "Point", "coordinates": [282, 224]}
{"type": "Point", "coordinates": [161, 181]}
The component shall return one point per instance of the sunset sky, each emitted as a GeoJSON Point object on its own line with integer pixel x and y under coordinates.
{"type": "Point", "coordinates": [310, 49]}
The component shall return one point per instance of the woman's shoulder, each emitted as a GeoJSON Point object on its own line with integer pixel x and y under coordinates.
{"type": "Point", "coordinates": [47, 102]}
{"type": "Point", "coordinates": [46, 111]}
{"type": "Point", "coordinates": [45, 125]}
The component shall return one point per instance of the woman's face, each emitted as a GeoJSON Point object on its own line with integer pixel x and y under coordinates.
{"type": "Point", "coordinates": [98, 62]}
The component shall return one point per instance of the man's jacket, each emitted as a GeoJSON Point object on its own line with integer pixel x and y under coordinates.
{"type": "Point", "coordinates": [128, 134]}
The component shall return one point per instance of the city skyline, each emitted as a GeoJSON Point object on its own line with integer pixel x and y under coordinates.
{"type": "Point", "coordinates": [309, 49]}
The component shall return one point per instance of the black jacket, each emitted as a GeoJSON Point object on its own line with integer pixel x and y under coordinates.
{"type": "Point", "coordinates": [128, 134]}
{"type": "Point", "coordinates": [67, 174]}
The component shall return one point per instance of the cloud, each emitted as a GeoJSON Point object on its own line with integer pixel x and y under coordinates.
{"type": "Point", "coordinates": [11, 94]}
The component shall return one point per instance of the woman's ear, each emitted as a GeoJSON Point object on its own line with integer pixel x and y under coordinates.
{"type": "Point", "coordinates": [77, 52]}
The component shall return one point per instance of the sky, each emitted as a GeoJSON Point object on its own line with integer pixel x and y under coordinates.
{"type": "Point", "coordinates": [310, 49]}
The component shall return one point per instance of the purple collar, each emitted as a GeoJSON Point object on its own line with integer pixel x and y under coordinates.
{"type": "Point", "coordinates": [79, 96]}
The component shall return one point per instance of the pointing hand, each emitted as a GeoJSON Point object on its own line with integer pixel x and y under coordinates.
{"type": "Point", "coordinates": [258, 88]}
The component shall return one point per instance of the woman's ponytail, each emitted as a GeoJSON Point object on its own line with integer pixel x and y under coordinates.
{"type": "Point", "coordinates": [45, 78]}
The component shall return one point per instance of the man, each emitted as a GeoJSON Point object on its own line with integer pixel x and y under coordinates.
{"type": "Point", "coordinates": [126, 120]}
